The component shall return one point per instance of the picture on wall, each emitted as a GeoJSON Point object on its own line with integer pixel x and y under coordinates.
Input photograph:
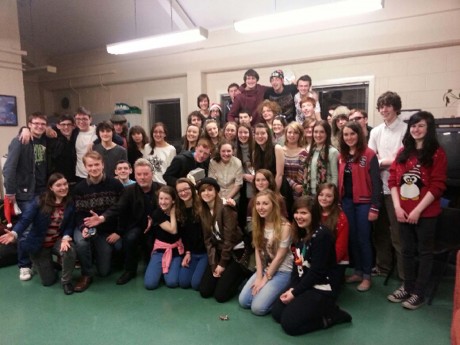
{"type": "Point", "coordinates": [8, 111]}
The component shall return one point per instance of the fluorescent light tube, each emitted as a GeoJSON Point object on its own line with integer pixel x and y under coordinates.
{"type": "Point", "coordinates": [307, 15]}
{"type": "Point", "coordinates": [158, 41]}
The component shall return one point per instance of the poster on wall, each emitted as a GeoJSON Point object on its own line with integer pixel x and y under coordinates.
{"type": "Point", "coordinates": [8, 111]}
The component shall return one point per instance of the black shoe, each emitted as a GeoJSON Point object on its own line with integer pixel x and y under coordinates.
{"type": "Point", "coordinates": [68, 288]}
{"type": "Point", "coordinates": [125, 277]}
{"type": "Point", "coordinates": [337, 317]}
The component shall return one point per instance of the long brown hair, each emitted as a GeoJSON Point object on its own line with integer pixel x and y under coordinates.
{"type": "Point", "coordinates": [333, 217]}
{"type": "Point", "coordinates": [250, 143]}
{"type": "Point", "coordinates": [152, 140]}
{"type": "Point", "coordinates": [263, 158]}
{"type": "Point", "coordinates": [181, 212]}
{"type": "Point", "coordinates": [300, 233]}
{"type": "Point", "coordinates": [207, 219]}
{"type": "Point", "coordinates": [137, 130]}
{"type": "Point", "coordinates": [47, 200]}
{"type": "Point", "coordinates": [360, 145]}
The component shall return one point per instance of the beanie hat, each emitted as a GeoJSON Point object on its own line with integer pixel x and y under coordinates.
{"type": "Point", "coordinates": [278, 74]}
{"type": "Point", "coordinates": [215, 106]}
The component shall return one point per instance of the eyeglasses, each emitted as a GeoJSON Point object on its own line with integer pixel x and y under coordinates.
{"type": "Point", "coordinates": [42, 124]}
{"type": "Point", "coordinates": [81, 119]}
{"type": "Point", "coordinates": [158, 132]}
{"type": "Point", "coordinates": [183, 190]}
{"type": "Point", "coordinates": [66, 124]}
{"type": "Point", "coordinates": [357, 118]}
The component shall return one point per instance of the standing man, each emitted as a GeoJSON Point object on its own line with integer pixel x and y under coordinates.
{"type": "Point", "coordinates": [304, 87]}
{"type": "Point", "coordinates": [386, 140]}
{"type": "Point", "coordinates": [135, 206]}
{"type": "Point", "coordinates": [95, 194]}
{"type": "Point", "coordinates": [250, 97]}
{"type": "Point", "coordinates": [120, 127]}
{"type": "Point", "coordinates": [86, 135]}
{"type": "Point", "coordinates": [360, 116]}
{"type": "Point", "coordinates": [110, 151]}
{"type": "Point", "coordinates": [233, 90]}
{"type": "Point", "coordinates": [61, 150]}
{"type": "Point", "coordinates": [282, 94]}
{"type": "Point", "coordinates": [25, 177]}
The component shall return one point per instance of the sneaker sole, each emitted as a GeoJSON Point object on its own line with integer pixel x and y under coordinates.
{"type": "Point", "coordinates": [393, 299]}
{"type": "Point", "coordinates": [411, 306]}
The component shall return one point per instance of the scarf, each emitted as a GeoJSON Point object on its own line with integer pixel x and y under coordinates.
{"type": "Point", "coordinates": [321, 170]}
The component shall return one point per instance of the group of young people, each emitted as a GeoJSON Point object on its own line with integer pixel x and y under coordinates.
{"type": "Point", "coordinates": [264, 178]}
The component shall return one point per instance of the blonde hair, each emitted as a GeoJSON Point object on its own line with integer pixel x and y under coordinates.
{"type": "Point", "coordinates": [297, 127]}
{"type": "Point", "coordinates": [258, 223]}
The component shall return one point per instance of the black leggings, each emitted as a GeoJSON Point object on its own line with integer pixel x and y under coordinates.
{"type": "Point", "coordinates": [305, 313]}
{"type": "Point", "coordinates": [225, 287]}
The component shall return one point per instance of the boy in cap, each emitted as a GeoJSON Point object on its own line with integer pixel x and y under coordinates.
{"type": "Point", "coordinates": [282, 94]}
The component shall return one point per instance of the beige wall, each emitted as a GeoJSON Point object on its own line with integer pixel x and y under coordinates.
{"type": "Point", "coordinates": [10, 67]}
{"type": "Point", "coordinates": [412, 47]}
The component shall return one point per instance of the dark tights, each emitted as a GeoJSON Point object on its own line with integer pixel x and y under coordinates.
{"type": "Point", "coordinates": [305, 313]}
{"type": "Point", "coordinates": [225, 287]}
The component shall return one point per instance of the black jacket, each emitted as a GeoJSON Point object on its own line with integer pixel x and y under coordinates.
{"type": "Point", "coordinates": [181, 165]}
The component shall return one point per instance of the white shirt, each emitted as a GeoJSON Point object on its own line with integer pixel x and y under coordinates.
{"type": "Point", "coordinates": [84, 141]}
{"type": "Point", "coordinates": [386, 142]}
{"type": "Point", "coordinates": [160, 160]}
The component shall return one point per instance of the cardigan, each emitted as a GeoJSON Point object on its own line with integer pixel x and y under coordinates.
{"type": "Point", "coordinates": [315, 266]}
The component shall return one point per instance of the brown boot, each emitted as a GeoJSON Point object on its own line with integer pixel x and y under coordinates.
{"type": "Point", "coordinates": [83, 283]}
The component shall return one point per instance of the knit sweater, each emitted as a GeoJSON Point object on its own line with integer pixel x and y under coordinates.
{"type": "Point", "coordinates": [98, 198]}
{"type": "Point", "coordinates": [413, 181]}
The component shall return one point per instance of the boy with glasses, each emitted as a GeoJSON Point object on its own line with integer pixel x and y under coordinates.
{"type": "Point", "coordinates": [360, 116]}
{"type": "Point", "coordinates": [23, 162]}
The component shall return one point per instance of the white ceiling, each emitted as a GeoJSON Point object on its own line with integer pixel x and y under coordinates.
{"type": "Point", "coordinates": [58, 27]}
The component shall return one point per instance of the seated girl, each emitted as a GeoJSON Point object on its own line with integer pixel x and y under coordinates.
{"type": "Point", "coordinates": [271, 238]}
{"type": "Point", "coordinates": [167, 248]}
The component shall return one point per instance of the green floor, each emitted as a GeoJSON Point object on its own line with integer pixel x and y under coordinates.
{"type": "Point", "coordinates": [129, 314]}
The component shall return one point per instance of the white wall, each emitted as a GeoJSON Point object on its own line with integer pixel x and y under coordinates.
{"type": "Point", "coordinates": [10, 67]}
{"type": "Point", "coordinates": [411, 47]}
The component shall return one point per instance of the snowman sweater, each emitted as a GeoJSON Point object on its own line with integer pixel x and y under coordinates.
{"type": "Point", "coordinates": [414, 180]}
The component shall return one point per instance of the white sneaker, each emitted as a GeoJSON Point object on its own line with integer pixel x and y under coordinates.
{"type": "Point", "coordinates": [25, 273]}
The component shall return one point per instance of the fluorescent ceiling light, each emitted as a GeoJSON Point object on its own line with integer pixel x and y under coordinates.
{"type": "Point", "coordinates": [159, 41]}
{"type": "Point", "coordinates": [307, 15]}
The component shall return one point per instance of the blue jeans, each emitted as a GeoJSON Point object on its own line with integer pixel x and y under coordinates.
{"type": "Point", "coordinates": [155, 271]}
{"type": "Point", "coordinates": [262, 302]}
{"type": "Point", "coordinates": [23, 255]}
{"type": "Point", "coordinates": [191, 275]}
{"type": "Point", "coordinates": [103, 252]}
{"type": "Point", "coordinates": [360, 236]}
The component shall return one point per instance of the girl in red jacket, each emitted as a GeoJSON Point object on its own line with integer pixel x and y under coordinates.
{"type": "Point", "coordinates": [417, 181]}
{"type": "Point", "coordinates": [360, 189]}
